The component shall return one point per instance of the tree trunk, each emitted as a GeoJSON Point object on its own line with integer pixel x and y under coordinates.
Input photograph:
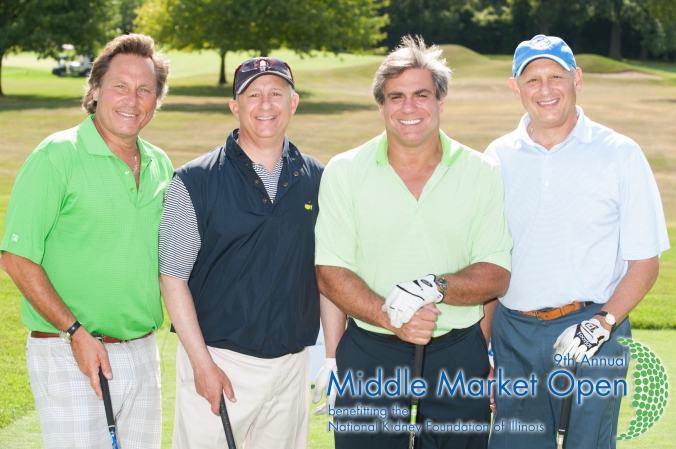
{"type": "Point", "coordinates": [2, 55]}
{"type": "Point", "coordinates": [616, 41]}
{"type": "Point", "coordinates": [644, 52]}
{"type": "Point", "coordinates": [222, 80]}
{"type": "Point", "coordinates": [544, 26]}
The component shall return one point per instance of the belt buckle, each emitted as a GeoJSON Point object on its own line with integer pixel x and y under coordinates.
{"type": "Point", "coordinates": [537, 315]}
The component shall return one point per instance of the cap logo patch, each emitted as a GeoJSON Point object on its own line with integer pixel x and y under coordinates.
{"type": "Point", "coordinates": [263, 65]}
{"type": "Point", "coordinates": [540, 42]}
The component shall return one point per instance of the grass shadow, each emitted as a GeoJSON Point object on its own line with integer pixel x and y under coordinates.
{"type": "Point", "coordinates": [24, 102]}
{"type": "Point", "coordinates": [213, 91]}
{"type": "Point", "coordinates": [317, 108]}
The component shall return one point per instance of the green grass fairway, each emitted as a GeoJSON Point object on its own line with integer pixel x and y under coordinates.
{"type": "Point", "coordinates": [336, 113]}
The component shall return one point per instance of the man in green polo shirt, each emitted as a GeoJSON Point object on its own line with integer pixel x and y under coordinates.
{"type": "Point", "coordinates": [411, 242]}
{"type": "Point", "coordinates": [80, 242]}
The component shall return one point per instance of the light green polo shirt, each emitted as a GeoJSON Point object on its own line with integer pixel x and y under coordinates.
{"type": "Point", "coordinates": [75, 210]}
{"type": "Point", "coordinates": [370, 223]}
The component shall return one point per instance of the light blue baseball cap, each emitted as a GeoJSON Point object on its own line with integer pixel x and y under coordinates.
{"type": "Point", "coordinates": [541, 46]}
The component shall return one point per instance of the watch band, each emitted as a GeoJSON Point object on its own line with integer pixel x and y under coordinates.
{"type": "Point", "coordinates": [442, 283]}
{"type": "Point", "coordinates": [612, 323]}
{"type": "Point", "coordinates": [71, 330]}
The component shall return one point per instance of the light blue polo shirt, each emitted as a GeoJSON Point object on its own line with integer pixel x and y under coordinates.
{"type": "Point", "coordinates": [577, 214]}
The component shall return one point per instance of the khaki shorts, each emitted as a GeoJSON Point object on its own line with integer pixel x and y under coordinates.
{"type": "Point", "coordinates": [272, 408]}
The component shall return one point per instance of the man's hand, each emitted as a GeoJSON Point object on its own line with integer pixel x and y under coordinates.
{"type": "Point", "coordinates": [418, 330]}
{"type": "Point", "coordinates": [90, 354]}
{"type": "Point", "coordinates": [406, 298]}
{"type": "Point", "coordinates": [322, 383]}
{"type": "Point", "coordinates": [582, 339]}
{"type": "Point", "coordinates": [491, 375]}
{"type": "Point", "coordinates": [210, 383]}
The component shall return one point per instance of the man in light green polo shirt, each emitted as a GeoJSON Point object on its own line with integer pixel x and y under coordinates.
{"type": "Point", "coordinates": [80, 242]}
{"type": "Point", "coordinates": [411, 242]}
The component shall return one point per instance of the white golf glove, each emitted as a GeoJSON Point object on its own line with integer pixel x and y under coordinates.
{"type": "Point", "coordinates": [322, 383]}
{"type": "Point", "coordinates": [406, 298]}
{"type": "Point", "coordinates": [582, 339]}
{"type": "Point", "coordinates": [490, 353]}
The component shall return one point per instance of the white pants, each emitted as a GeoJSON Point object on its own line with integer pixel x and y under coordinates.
{"type": "Point", "coordinates": [72, 416]}
{"type": "Point", "coordinates": [272, 408]}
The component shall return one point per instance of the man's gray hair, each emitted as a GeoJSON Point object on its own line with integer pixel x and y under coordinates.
{"type": "Point", "coordinates": [413, 54]}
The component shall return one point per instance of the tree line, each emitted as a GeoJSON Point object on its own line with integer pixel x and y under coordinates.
{"type": "Point", "coordinates": [634, 29]}
{"type": "Point", "coordinates": [617, 28]}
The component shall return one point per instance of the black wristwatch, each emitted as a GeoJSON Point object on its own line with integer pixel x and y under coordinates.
{"type": "Point", "coordinates": [608, 318]}
{"type": "Point", "coordinates": [442, 283]}
{"type": "Point", "coordinates": [65, 335]}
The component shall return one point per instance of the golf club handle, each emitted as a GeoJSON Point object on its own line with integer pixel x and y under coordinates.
{"type": "Point", "coordinates": [565, 413]}
{"type": "Point", "coordinates": [226, 424]}
{"type": "Point", "coordinates": [107, 403]}
{"type": "Point", "coordinates": [415, 400]}
{"type": "Point", "coordinates": [564, 419]}
{"type": "Point", "coordinates": [417, 369]}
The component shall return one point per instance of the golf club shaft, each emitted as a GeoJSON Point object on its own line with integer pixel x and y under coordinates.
{"type": "Point", "coordinates": [415, 400]}
{"type": "Point", "coordinates": [226, 424]}
{"type": "Point", "coordinates": [108, 405]}
{"type": "Point", "coordinates": [565, 416]}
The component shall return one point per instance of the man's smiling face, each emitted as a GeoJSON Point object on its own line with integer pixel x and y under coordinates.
{"type": "Point", "coordinates": [548, 92]}
{"type": "Point", "coordinates": [126, 99]}
{"type": "Point", "coordinates": [265, 108]}
{"type": "Point", "coordinates": [411, 110]}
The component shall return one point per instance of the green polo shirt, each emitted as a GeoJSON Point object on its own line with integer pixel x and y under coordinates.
{"type": "Point", "coordinates": [75, 210]}
{"type": "Point", "coordinates": [370, 223]}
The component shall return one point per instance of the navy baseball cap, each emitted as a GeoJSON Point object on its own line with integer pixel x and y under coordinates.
{"type": "Point", "coordinates": [541, 46]}
{"type": "Point", "coordinates": [251, 69]}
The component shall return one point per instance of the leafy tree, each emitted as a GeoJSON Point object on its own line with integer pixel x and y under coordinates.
{"type": "Point", "coordinates": [264, 25]}
{"type": "Point", "coordinates": [43, 26]}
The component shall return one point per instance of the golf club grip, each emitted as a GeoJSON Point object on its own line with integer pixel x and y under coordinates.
{"type": "Point", "coordinates": [564, 419]}
{"type": "Point", "coordinates": [417, 372]}
{"type": "Point", "coordinates": [565, 413]}
{"type": "Point", "coordinates": [107, 403]}
{"type": "Point", "coordinates": [226, 425]}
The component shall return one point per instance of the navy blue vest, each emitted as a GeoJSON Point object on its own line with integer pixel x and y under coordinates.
{"type": "Point", "coordinates": [254, 283]}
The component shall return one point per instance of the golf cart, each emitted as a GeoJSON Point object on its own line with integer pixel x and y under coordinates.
{"type": "Point", "coordinates": [80, 65]}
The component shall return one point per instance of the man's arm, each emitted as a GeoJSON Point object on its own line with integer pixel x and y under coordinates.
{"type": "Point", "coordinates": [487, 320]}
{"type": "Point", "coordinates": [476, 284]}
{"type": "Point", "coordinates": [32, 281]}
{"type": "Point", "coordinates": [636, 283]}
{"type": "Point", "coordinates": [210, 380]}
{"type": "Point", "coordinates": [333, 323]}
{"type": "Point", "coordinates": [351, 294]}
{"type": "Point", "coordinates": [583, 340]}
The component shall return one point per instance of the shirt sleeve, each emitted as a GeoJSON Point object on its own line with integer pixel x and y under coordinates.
{"type": "Point", "coordinates": [491, 240]}
{"type": "Point", "coordinates": [643, 232]}
{"type": "Point", "coordinates": [180, 240]}
{"type": "Point", "coordinates": [335, 231]}
{"type": "Point", "coordinates": [34, 207]}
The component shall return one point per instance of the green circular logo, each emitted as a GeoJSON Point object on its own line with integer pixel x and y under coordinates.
{"type": "Point", "coordinates": [651, 387]}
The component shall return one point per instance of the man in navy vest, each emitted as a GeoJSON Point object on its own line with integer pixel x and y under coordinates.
{"type": "Point", "coordinates": [237, 273]}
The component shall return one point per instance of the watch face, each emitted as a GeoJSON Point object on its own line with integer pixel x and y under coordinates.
{"type": "Point", "coordinates": [610, 319]}
{"type": "Point", "coordinates": [64, 336]}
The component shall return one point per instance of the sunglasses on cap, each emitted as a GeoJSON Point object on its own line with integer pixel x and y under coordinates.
{"type": "Point", "coordinates": [251, 69]}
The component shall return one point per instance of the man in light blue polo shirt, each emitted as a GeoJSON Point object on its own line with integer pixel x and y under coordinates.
{"type": "Point", "coordinates": [588, 227]}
